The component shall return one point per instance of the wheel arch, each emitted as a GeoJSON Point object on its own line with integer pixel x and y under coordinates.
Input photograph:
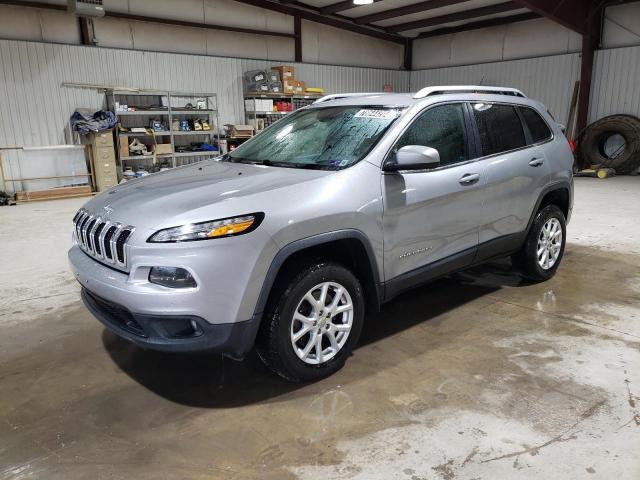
{"type": "Point", "coordinates": [349, 246]}
{"type": "Point", "coordinates": [558, 194]}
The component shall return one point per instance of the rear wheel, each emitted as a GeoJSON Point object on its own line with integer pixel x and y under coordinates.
{"type": "Point", "coordinates": [312, 323]}
{"type": "Point", "coordinates": [543, 249]}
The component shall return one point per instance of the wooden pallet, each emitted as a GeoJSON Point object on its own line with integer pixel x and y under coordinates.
{"type": "Point", "coordinates": [53, 193]}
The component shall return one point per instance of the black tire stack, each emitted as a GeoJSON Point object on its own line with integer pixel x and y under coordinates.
{"type": "Point", "coordinates": [591, 144]}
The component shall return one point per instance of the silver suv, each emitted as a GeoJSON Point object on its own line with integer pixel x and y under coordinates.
{"type": "Point", "coordinates": [341, 206]}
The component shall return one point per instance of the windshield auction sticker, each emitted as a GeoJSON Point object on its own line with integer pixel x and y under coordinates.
{"type": "Point", "coordinates": [370, 113]}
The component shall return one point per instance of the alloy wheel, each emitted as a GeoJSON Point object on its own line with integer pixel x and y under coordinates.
{"type": "Point", "coordinates": [321, 323]}
{"type": "Point", "coordinates": [549, 244]}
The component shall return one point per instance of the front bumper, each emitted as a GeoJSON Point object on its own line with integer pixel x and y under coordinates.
{"type": "Point", "coordinates": [160, 318]}
{"type": "Point", "coordinates": [173, 333]}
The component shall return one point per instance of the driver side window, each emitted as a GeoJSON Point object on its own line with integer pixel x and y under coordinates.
{"type": "Point", "coordinates": [442, 128]}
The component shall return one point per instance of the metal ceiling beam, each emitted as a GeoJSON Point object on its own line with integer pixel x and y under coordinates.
{"type": "Point", "coordinates": [571, 14]}
{"type": "Point", "coordinates": [492, 22]}
{"type": "Point", "coordinates": [181, 23]}
{"type": "Point", "coordinates": [340, 6]}
{"type": "Point", "coordinates": [335, 22]}
{"type": "Point", "coordinates": [407, 10]}
{"type": "Point", "coordinates": [455, 17]}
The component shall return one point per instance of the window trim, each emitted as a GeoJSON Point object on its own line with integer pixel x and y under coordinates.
{"type": "Point", "coordinates": [477, 132]}
{"type": "Point", "coordinates": [525, 130]}
{"type": "Point", "coordinates": [524, 122]}
{"type": "Point", "coordinates": [474, 143]}
{"type": "Point", "coordinates": [471, 146]}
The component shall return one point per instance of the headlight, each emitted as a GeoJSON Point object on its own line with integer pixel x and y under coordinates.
{"type": "Point", "coordinates": [226, 227]}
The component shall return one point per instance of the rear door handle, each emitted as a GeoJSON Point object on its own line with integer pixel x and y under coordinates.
{"type": "Point", "coordinates": [536, 162]}
{"type": "Point", "coordinates": [469, 179]}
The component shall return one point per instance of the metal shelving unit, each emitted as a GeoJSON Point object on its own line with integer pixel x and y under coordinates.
{"type": "Point", "coordinates": [298, 101]}
{"type": "Point", "coordinates": [166, 106]}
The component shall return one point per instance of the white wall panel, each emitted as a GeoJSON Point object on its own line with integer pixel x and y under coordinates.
{"type": "Point", "coordinates": [532, 38]}
{"type": "Point", "coordinates": [35, 108]}
{"type": "Point", "coordinates": [616, 88]}
{"type": "Point", "coordinates": [548, 79]}
{"type": "Point", "coordinates": [622, 26]}
{"type": "Point", "coordinates": [324, 44]}
{"type": "Point", "coordinates": [321, 44]}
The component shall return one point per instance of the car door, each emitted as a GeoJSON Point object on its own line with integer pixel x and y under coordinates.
{"type": "Point", "coordinates": [431, 216]}
{"type": "Point", "coordinates": [516, 172]}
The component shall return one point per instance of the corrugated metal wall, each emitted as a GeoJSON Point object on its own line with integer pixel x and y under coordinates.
{"type": "Point", "coordinates": [548, 79]}
{"type": "Point", "coordinates": [616, 83]}
{"type": "Point", "coordinates": [35, 108]}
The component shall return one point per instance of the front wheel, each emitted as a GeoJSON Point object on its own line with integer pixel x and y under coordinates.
{"type": "Point", "coordinates": [543, 249]}
{"type": "Point", "coordinates": [313, 323]}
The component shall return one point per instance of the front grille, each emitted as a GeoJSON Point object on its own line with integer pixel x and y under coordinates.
{"type": "Point", "coordinates": [104, 240]}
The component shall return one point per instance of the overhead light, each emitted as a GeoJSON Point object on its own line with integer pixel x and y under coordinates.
{"type": "Point", "coordinates": [362, 2]}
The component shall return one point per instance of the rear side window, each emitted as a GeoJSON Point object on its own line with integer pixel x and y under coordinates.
{"type": "Point", "coordinates": [536, 125]}
{"type": "Point", "coordinates": [500, 128]}
{"type": "Point", "coordinates": [442, 128]}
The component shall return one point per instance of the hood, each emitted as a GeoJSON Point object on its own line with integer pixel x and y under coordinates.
{"type": "Point", "coordinates": [159, 197]}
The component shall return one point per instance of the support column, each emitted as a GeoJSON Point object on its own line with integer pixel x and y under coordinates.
{"type": "Point", "coordinates": [297, 31]}
{"type": "Point", "coordinates": [590, 43]}
{"type": "Point", "coordinates": [408, 54]}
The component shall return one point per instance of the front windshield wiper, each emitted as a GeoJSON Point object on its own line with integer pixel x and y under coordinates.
{"type": "Point", "coordinates": [271, 163]}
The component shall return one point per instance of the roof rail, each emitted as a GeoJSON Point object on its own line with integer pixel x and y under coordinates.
{"type": "Point", "coordinates": [428, 91]}
{"type": "Point", "coordinates": [337, 96]}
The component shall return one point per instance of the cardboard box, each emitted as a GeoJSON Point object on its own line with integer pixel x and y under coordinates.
{"type": "Point", "coordinates": [161, 148]}
{"type": "Point", "coordinates": [244, 131]}
{"type": "Point", "coordinates": [289, 86]}
{"type": "Point", "coordinates": [300, 86]}
{"type": "Point", "coordinates": [285, 72]}
{"type": "Point", "coordinates": [123, 147]}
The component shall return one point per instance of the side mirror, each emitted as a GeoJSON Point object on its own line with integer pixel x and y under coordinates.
{"type": "Point", "coordinates": [414, 157]}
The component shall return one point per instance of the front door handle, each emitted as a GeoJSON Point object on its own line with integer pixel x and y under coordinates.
{"type": "Point", "coordinates": [536, 162]}
{"type": "Point", "coordinates": [469, 179]}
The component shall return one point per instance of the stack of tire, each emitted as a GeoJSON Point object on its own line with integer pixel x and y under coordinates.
{"type": "Point", "coordinates": [611, 142]}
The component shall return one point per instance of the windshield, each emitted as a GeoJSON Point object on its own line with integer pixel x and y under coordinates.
{"type": "Point", "coordinates": [327, 138]}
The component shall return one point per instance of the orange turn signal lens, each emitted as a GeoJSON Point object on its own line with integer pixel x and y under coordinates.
{"type": "Point", "coordinates": [231, 229]}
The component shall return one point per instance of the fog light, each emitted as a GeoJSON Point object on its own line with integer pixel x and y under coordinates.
{"type": "Point", "coordinates": [172, 277]}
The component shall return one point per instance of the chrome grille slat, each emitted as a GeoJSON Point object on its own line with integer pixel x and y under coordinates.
{"type": "Point", "coordinates": [85, 224]}
{"type": "Point", "coordinates": [81, 223]}
{"type": "Point", "coordinates": [91, 232]}
{"type": "Point", "coordinates": [112, 243]}
{"type": "Point", "coordinates": [103, 232]}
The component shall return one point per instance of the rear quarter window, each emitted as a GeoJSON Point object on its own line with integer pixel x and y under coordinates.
{"type": "Point", "coordinates": [535, 123]}
{"type": "Point", "coordinates": [500, 128]}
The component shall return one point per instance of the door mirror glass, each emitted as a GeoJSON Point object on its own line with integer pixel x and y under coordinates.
{"type": "Point", "coordinates": [414, 157]}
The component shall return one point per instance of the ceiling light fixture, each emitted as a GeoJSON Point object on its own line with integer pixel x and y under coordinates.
{"type": "Point", "coordinates": [362, 2]}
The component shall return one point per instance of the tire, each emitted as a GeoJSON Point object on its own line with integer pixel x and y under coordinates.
{"type": "Point", "coordinates": [275, 343]}
{"type": "Point", "coordinates": [527, 259]}
{"type": "Point", "coordinates": [592, 145]}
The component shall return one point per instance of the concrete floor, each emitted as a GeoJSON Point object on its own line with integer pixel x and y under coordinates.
{"type": "Point", "coordinates": [473, 377]}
